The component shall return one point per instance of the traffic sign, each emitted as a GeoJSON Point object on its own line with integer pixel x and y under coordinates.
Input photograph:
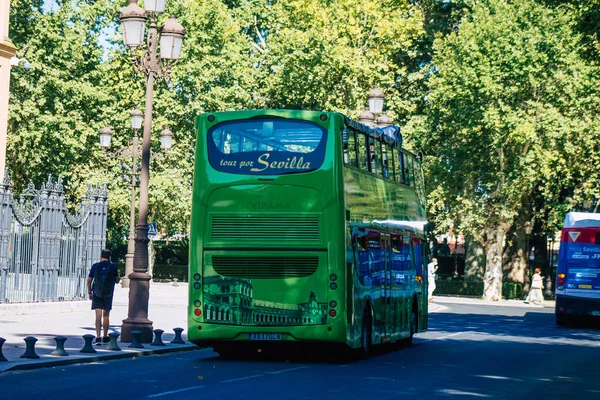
{"type": "Point", "coordinates": [152, 229]}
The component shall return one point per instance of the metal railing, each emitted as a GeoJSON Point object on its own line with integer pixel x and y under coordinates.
{"type": "Point", "coordinates": [46, 252]}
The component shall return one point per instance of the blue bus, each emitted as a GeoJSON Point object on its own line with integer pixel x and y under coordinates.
{"type": "Point", "coordinates": [578, 269]}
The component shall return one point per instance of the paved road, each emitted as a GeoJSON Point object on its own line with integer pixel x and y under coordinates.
{"type": "Point", "coordinates": [470, 352]}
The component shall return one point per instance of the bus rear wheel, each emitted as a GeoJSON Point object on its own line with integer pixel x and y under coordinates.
{"type": "Point", "coordinates": [412, 328]}
{"type": "Point", "coordinates": [365, 338]}
{"type": "Point", "coordinates": [561, 320]}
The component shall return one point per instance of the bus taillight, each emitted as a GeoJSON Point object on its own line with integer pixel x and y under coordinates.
{"type": "Point", "coordinates": [561, 276]}
{"type": "Point", "coordinates": [332, 313]}
{"type": "Point", "coordinates": [197, 312]}
{"type": "Point", "coordinates": [561, 282]}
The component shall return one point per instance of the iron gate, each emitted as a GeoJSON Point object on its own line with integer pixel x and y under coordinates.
{"type": "Point", "coordinates": [46, 252]}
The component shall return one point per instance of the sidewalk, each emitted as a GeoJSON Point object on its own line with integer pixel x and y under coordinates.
{"type": "Point", "coordinates": [167, 310]}
{"type": "Point", "coordinates": [479, 301]}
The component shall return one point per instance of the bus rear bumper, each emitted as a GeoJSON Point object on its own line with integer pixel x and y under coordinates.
{"type": "Point", "coordinates": [577, 306]}
{"type": "Point", "coordinates": [214, 335]}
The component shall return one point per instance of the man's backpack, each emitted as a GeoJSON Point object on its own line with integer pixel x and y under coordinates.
{"type": "Point", "coordinates": [104, 282]}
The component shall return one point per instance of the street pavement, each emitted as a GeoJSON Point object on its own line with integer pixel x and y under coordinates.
{"type": "Point", "coordinates": [167, 310]}
{"type": "Point", "coordinates": [473, 349]}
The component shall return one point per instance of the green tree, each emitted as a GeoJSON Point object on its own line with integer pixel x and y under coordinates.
{"type": "Point", "coordinates": [510, 109]}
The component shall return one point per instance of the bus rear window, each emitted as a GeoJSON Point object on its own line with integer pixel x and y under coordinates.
{"type": "Point", "coordinates": [266, 146]}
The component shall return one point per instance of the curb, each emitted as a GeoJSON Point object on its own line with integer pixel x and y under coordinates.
{"type": "Point", "coordinates": [104, 357]}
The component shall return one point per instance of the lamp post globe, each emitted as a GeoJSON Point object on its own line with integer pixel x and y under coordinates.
{"type": "Point", "coordinates": [154, 6]}
{"type": "Point", "coordinates": [375, 98]}
{"type": "Point", "coordinates": [171, 39]}
{"type": "Point", "coordinates": [136, 119]}
{"type": "Point", "coordinates": [384, 121]}
{"type": "Point", "coordinates": [367, 118]}
{"type": "Point", "coordinates": [133, 20]}
{"type": "Point", "coordinates": [105, 135]}
{"type": "Point", "coordinates": [166, 139]}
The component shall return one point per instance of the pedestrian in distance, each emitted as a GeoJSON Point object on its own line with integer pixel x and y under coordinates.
{"type": "Point", "coordinates": [101, 286]}
{"type": "Point", "coordinates": [432, 267]}
{"type": "Point", "coordinates": [535, 293]}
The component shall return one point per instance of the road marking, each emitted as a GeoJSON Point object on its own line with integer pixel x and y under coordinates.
{"type": "Point", "coordinates": [174, 391]}
{"type": "Point", "coordinates": [242, 378]}
{"type": "Point", "coordinates": [281, 371]}
{"type": "Point", "coordinates": [286, 370]}
{"type": "Point", "coordinates": [441, 337]}
{"type": "Point", "coordinates": [461, 393]}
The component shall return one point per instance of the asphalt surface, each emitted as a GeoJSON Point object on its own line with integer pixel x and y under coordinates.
{"type": "Point", "coordinates": [471, 351]}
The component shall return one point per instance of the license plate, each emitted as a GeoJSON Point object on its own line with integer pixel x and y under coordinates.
{"type": "Point", "coordinates": [595, 313]}
{"type": "Point", "coordinates": [585, 286]}
{"type": "Point", "coordinates": [264, 336]}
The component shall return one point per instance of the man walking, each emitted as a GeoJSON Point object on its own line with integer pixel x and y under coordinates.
{"type": "Point", "coordinates": [431, 269]}
{"type": "Point", "coordinates": [101, 286]}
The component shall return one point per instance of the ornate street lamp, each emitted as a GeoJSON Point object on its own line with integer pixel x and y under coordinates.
{"type": "Point", "coordinates": [132, 152]}
{"type": "Point", "coordinates": [153, 65]}
{"type": "Point", "coordinates": [166, 139]}
{"type": "Point", "coordinates": [375, 98]}
{"type": "Point", "coordinates": [106, 135]}
{"type": "Point", "coordinates": [367, 118]}
{"type": "Point", "coordinates": [383, 120]}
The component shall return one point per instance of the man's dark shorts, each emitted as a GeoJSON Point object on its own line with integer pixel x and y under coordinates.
{"type": "Point", "coordinates": [104, 303]}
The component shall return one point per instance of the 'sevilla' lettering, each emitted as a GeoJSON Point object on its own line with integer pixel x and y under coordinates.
{"type": "Point", "coordinates": [294, 163]}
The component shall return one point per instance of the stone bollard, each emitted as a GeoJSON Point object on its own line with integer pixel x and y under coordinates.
{"type": "Point", "coordinates": [60, 346]}
{"type": "Point", "coordinates": [88, 347]}
{"type": "Point", "coordinates": [2, 358]}
{"type": "Point", "coordinates": [30, 348]}
{"type": "Point", "coordinates": [112, 345]}
{"type": "Point", "coordinates": [158, 338]}
{"type": "Point", "coordinates": [175, 280]}
{"type": "Point", "coordinates": [178, 339]}
{"type": "Point", "coordinates": [136, 340]}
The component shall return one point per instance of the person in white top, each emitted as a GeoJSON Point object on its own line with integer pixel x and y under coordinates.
{"type": "Point", "coordinates": [535, 293]}
{"type": "Point", "coordinates": [431, 269]}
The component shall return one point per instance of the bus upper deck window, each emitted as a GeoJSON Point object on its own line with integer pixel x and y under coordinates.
{"type": "Point", "coordinates": [361, 146]}
{"type": "Point", "coordinates": [349, 147]}
{"type": "Point", "coordinates": [385, 161]}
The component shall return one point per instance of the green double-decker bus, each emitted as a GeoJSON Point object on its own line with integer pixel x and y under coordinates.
{"type": "Point", "coordinates": [307, 227]}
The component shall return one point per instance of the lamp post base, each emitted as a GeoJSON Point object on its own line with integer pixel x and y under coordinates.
{"type": "Point", "coordinates": [142, 325]}
{"type": "Point", "coordinates": [139, 294]}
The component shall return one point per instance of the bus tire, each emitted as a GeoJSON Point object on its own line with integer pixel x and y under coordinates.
{"type": "Point", "coordinates": [561, 320]}
{"type": "Point", "coordinates": [365, 336]}
{"type": "Point", "coordinates": [412, 328]}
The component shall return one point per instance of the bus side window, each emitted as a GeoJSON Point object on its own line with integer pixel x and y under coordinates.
{"type": "Point", "coordinates": [398, 177]}
{"type": "Point", "coordinates": [420, 185]}
{"type": "Point", "coordinates": [408, 172]}
{"type": "Point", "coordinates": [350, 147]}
{"type": "Point", "coordinates": [385, 161]}
{"type": "Point", "coordinates": [371, 155]}
{"type": "Point", "coordinates": [378, 158]}
{"type": "Point", "coordinates": [361, 146]}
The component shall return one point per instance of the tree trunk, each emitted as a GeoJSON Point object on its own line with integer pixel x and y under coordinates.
{"type": "Point", "coordinates": [474, 261]}
{"type": "Point", "coordinates": [492, 282]}
{"type": "Point", "coordinates": [516, 265]}
{"type": "Point", "coordinates": [515, 256]}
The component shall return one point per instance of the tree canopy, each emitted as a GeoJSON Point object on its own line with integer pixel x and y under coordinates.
{"type": "Point", "coordinates": [499, 95]}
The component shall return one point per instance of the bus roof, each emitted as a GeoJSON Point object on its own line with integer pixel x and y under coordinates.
{"type": "Point", "coordinates": [389, 134]}
{"type": "Point", "coordinates": [582, 220]}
